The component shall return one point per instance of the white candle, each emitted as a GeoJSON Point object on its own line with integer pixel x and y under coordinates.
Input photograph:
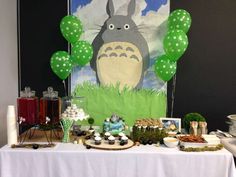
{"type": "Point", "coordinates": [11, 126]}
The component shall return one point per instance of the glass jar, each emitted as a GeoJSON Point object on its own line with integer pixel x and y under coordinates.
{"type": "Point", "coordinates": [73, 109]}
{"type": "Point", "coordinates": [50, 107]}
{"type": "Point", "coordinates": [27, 107]}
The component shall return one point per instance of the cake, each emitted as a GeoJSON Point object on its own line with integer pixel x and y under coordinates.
{"type": "Point", "coordinates": [114, 125]}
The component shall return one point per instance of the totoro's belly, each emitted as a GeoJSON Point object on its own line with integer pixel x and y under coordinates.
{"type": "Point", "coordinates": [119, 63]}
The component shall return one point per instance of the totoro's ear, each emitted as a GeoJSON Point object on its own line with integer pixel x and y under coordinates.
{"type": "Point", "coordinates": [110, 8]}
{"type": "Point", "coordinates": [131, 8]}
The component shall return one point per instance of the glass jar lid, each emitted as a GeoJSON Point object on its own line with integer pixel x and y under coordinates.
{"type": "Point", "coordinates": [50, 93]}
{"type": "Point", "coordinates": [27, 93]}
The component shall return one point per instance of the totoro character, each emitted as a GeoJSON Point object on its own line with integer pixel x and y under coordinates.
{"type": "Point", "coordinates": [121, 53]}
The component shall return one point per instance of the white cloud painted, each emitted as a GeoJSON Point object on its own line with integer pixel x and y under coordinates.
{"type": "Point", "coordinates": [94, 14]}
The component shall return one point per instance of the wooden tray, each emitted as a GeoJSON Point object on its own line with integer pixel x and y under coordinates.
{"type": "Point", "coordinates": [106, 146]}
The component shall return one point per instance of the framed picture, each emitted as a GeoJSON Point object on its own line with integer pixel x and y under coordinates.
{"type": "Point", "coordinates": [173, 125]}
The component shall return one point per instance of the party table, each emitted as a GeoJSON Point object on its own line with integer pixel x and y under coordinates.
{"type": "Point", "coordinates": [71, 160]}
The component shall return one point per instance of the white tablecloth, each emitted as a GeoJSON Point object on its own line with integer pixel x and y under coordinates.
{"type": "Point", "coordinates": [69, 160]}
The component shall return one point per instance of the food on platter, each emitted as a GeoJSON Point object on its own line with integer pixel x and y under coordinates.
{"type": "Point", "coordinates": [96, 134]}
{"type": "Point", "coordinates": [112, 144]}
{"type": "Point", "coordinates": [154, 123]}
{"type": "Point", "coordinates": [124, 139]}
{"type": "Point", "coordinates": [106, 135]}
{"type": "Point", "coordinates": [98, 140]}
{"type": "Point", "coordinates": [192, 139]}
{"type": "Point", "coordinates": [171, 142]}
{"type": "Point", "coordinates": [121, 134]}
{"type": "Point", "coordinates": [111, 140]}
{"type": "Point", "coordinates": [148, 131]}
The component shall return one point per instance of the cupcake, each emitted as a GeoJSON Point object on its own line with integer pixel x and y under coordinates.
{"type": "Point", "coordinates": [106, 135]}
{"type": "Point", "coordinates": [124, 139]}
{"type": "Point", "coordinates": [96, 134]}
{"type": "Point", "coordinates": [111, 140]}
{"type": "Point", "coordinates": [98, 140]}
{"type": "Point", "coordinates": [120, 135]}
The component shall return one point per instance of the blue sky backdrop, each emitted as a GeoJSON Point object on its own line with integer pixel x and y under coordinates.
{"type": "Point", "coordinates": [152, 5]}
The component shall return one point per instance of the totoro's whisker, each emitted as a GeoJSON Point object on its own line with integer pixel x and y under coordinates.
{"type": "Point", "coordinates": [98, 25]}
{"type": "Point", "coordinates": [95, 33]}
{"type": "Point", "coordinates": [94, 29]}
{"type": "Point", "coordinates": [137, 31]}
{"type": "Point", "coordinates": [142, 26]}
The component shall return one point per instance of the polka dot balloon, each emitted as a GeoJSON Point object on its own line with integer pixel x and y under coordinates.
{"type": "Point", "coordinates": [175, 44]}
{"type": "Point", "coordinates": [81, 53]}
{"type": "Point", "coordinates": [61, 64]}
{"type": "Point", "coordinates": [165, 68]}
{"type": "Point", "coordinates": [179, 19]}
{"type": "Point", "coordinates": [71, 28]}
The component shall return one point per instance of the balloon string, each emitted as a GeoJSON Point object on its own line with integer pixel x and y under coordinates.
{"type": "Point", "coordinates": [173, 95]}
{"type": "Point", "coordinates": [64, 84]}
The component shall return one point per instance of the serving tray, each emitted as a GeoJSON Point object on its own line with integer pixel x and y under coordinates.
{"type": "Point", "coordinates": [106, 146]}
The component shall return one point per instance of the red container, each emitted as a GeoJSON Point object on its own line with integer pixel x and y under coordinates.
{"type": "Point", "coordinates": [27, 107]}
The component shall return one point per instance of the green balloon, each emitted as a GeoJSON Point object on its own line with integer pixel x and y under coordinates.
{"type": "Point", "coordinates": [165, 68]}
{"type": "Point", "coordinates": [61, 64]}
{"type": "Point", "coordinates": [81, 53]}
{"type": "Point", "coordinates": [71, 28]}
{"type": "Point", "coordinates": [175, 44]}
{"type": "Point", "coordinates": [179, 19]}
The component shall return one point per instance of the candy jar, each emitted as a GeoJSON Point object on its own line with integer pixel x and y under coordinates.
{"type": "Point", "coordinates": [27, 107]}
{"type": "Point", "coordinates": [72, 111]}
{"type": "Point", "coordinates": [50, 107]}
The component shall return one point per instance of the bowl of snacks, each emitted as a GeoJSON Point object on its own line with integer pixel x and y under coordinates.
{"type": "Point", "coordinates": [171, 142]}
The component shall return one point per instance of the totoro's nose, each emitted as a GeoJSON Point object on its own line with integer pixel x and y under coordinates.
{"type": "Point", "coordinates": [118, 28]}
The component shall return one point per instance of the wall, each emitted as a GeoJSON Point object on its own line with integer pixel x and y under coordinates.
{"type": "Point", "coordinates": [8, 58]}
{"type": "Point", "coordinates": [40, 38]}
{"type": "Point", "coordinates": [206, 75]}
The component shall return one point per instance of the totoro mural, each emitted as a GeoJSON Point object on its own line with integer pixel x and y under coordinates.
{"type": "Point", "coordinates": [121, 53]}
{"type": "Point", "coordinates": [126, 36]}
{"type": "Point", "coordinates": [112, 26]}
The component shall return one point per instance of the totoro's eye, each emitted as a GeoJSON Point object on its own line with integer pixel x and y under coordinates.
{"type": "Point", "coordinates": [111, 26]}
{"type": "Point", "coordinates": [126, 26]}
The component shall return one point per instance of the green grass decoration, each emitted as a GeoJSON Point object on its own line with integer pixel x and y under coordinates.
{"type": "Point", "coordinates": [103, 101]}
{"type": "Point", "coordinates": [144, 136]}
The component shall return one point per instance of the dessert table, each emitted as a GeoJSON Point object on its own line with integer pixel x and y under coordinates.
{"type": "Point", "coordinates": [74, 160]}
